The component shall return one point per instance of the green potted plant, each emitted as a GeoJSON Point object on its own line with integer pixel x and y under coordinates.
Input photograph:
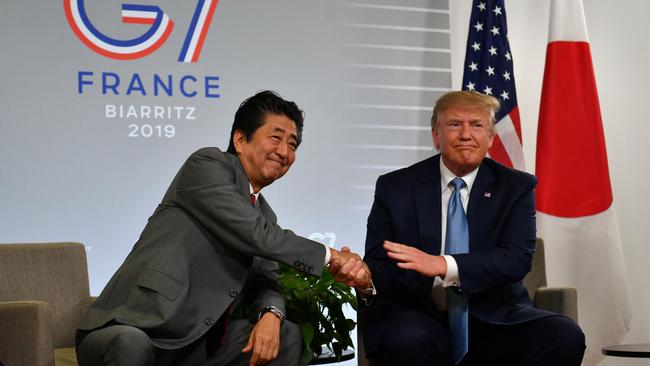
{"type": "Point", "coordinates": [316, 305]}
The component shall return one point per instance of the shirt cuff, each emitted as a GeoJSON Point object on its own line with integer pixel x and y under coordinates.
{"type": "Point", "coordinates": [371, 291]}
{"type": "Point", "coordinates": [367, 295]}
{"type": "Point", "coordinates": [328, 255]}
{"type": "Point", "coordinates": [451, 277]}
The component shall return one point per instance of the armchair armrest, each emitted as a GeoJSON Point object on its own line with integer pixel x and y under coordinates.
{"type": "Point", "coordinates": [85, 304]}
{"type": "Point", "coordinates": [561, 300]}
{"type": "Point", "coordinates": [25, 333]}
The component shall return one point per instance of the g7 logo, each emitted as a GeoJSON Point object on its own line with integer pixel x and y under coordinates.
{"type": "Point", "coordinates": [320, 237]}
{"type": "Point", "coordinates": [160, 29]}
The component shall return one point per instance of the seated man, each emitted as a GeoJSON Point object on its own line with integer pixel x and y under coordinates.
{"type": "Point", "coordinates": [212, 241]}
{"type": "Point", "coordinates": [449, 241]}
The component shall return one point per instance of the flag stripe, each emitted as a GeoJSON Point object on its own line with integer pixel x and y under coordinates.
{"type": "Point", "coordinates": [498, 152]}
{"type": "Point", "coordinates": [511, 141]}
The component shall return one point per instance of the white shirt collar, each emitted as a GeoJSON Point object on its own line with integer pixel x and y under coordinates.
{"type": "Point", "coordinates": [447, 176]}
{"type": "Point", "coordinates": [250, 189]}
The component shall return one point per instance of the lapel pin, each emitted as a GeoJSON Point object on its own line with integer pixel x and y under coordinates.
{"type": "Point", "coordinates": [487, 194]}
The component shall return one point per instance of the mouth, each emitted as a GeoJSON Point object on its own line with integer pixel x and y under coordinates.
{"type": "Point", "coordinates": [465, 147]}
{"type": "Point", "coordinates": [277, 161]}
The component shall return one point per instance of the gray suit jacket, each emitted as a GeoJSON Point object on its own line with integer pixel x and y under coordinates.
{"type": "Point", "coordinates": [202, 248]}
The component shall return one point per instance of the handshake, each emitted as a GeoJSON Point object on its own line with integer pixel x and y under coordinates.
{"type": "Point", "coordinates": [348, 268]}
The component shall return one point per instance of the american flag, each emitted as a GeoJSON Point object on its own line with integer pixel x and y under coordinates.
{"type": "Point", "coordinates": [488, 69]}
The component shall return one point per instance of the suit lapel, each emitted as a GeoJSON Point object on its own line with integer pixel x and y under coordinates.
{"type": "Point", "coordinates": [480, 201]}
{"type": "Point", "coordinates": [428, 206]}
{"type": "Point", "coordinates": [266, 210]}
{"type": "Point", "coordinates": [241, 180]}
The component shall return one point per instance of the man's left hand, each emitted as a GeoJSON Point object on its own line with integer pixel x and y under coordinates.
{"type": "Point", "coordinates": [264, 340]}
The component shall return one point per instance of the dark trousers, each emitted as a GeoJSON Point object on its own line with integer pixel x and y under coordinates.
{"type": "Point", "coordinates": [123, 345]}
{"type": "Point", "coordinates": [419, 338]}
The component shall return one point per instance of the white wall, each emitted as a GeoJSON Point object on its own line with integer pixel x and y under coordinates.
{"type": "Point", "coordinates": [621, 55]}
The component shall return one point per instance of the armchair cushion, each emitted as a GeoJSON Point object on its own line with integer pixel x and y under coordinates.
{"type": "Point", "coordinates": [561, 300]}
{"type": "Point", "coordinates": [65, 357]}
{"type": "Point", "coordinates": [26, 337]}
{"type": "Point", "coordinates": [43, 295]}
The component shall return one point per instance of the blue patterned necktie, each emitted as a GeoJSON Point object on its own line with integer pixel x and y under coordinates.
{"type": "Point", "coordinates": [457, 241]}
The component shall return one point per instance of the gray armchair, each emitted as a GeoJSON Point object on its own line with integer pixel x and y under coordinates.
{"type": "Point", "coordinates": [561, 300]}
{"type": "Point", "coordinates": [43, 295]}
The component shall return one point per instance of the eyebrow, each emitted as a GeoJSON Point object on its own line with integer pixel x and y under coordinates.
{"type": "Point", "coordinates": [280, 129]}
{"type": "Point", "coordinates": [462, 120]}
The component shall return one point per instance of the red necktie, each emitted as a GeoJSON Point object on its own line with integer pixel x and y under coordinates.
{"type": "Point", "coordinates": [253, 199]}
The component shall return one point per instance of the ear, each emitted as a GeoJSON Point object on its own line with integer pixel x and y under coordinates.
{"type": "Point", "coordinates": [491, 139]}
{"type": "Point", "coordinates": [238, 139]}
{"type": "Point", "coordinates": [436, 138]}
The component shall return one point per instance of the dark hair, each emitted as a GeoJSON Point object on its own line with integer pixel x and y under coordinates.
{"type": "Point", "coordinates": [252, 112]}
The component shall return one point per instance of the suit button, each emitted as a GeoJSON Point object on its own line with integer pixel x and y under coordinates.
{"type": "Point", "coordinates": [234, 292]}
{"type": "Point", "coordinates": [209, 321]}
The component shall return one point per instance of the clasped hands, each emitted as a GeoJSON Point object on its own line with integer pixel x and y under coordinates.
{"type": "Point", "coordinates": [348, 268]}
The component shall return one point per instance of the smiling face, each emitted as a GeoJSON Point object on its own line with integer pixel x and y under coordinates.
{"type": "Point", "coordinates": [270, 151]}
{"type": "Point", "coordinates": [463, 135]}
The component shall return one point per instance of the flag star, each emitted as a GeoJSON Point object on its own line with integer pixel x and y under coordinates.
{"type": "Point", "coordinates": [481, 6]}
{"type": "Point", "coordinates": [478, 26]}
{"type": "Point", "coordinates": [473, 66]}
{"type": "Point", "coordinates": [508, 57]}
{"type": "Point", "coordinates": [494, 31]}
{"type": "Point", "coordinates": [487, 90]}
{"type": "Point", "coordinates": [504, 95]}
{"type": "Point", "coordinates": [497, 10]}
{"type": "Point", "coordinates": [476, 46]}
{"type": "Point", "coordinates": [471, 86]}
{"type": "Point", "coordinates": [506, 75]}
{"type": "Point", "coordinates": [493, 50]}
{"type": "Point", "coordinates": [490, 70]}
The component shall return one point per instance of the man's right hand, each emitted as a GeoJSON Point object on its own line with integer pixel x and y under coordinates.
{"type": "Point", "coordinates": [348, 268]}
{"type": "Point", "coordinates": [408, 257]}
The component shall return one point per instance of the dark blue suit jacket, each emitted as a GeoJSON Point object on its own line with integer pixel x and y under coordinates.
{"type": "Point", "coordinates": [502, 233]}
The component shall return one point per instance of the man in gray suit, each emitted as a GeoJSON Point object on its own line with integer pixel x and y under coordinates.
{"type": "Point", "coordinates": [213, 241]}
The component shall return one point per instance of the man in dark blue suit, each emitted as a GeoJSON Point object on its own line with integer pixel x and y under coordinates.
{"type": "Point", "coordinates": [414, 280]}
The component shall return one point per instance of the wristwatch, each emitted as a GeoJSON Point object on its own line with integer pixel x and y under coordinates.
{"type": "Point", "coordinates": [273, 310]}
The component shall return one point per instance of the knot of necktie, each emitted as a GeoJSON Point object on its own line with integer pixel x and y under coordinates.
{"type": "Point", "coordinates": [458, 183]}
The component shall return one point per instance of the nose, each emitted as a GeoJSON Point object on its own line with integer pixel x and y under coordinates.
{"type": "Point", "coordinates": [282, 149]}
{"type": "Point", "coordinates": [465, 131]}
